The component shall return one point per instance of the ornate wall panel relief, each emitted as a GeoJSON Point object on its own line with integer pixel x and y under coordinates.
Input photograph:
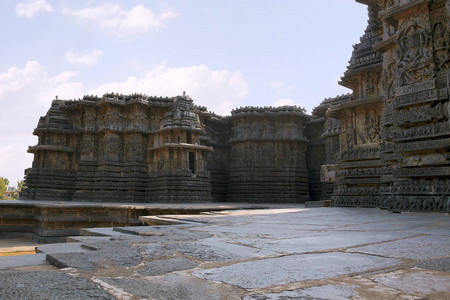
{"type": "Point", "coordinates": [414, 52]}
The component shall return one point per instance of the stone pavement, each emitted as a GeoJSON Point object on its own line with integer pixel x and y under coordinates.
{"type": "Point", "coordinates": [290, 253]}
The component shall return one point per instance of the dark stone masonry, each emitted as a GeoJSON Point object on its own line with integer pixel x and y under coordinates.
{"type": "Point", "coordinates": [384, 145]}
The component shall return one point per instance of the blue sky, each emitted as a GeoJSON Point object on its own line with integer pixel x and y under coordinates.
{"type": "Point", "coordinates": [223, 53]}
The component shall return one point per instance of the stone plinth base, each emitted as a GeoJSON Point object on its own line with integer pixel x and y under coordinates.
{"type": "Point", "coordinates": [53, 221]}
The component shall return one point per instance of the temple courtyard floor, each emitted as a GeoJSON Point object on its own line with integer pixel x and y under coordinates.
{"type": "Point", "coordinates": [284, 252]}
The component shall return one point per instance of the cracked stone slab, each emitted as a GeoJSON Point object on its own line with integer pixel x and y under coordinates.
{"type": "Point", "coordinates": [294, 268]}
{"type": "Point", "coordinates": [324, 242]}
{"type": "Point", "coordinates": [48, 285]}
{"type": "Point", "coordinates": [61, 248]}
{"type": "Point", "coordinates": [214, 250]}
{"type": "Point", "coordinates": [164, 266]}
{"type": "Point", "coordinates": [420, 247]}
{"type": "Point", "coordinates": [438, 230]}
{"type": "Point", "coordinates": [380, 226]}
{"type": "Point", "coordinates": [416, 281]}
{"type": "Point", "coordinates": [335, 292]}
{"type": "Point", "coordinates": [175, 287]}
{"type": "Point", "coordinates": [438, 264]}
{"type": "Point", "coordinates": [103, 255]}
{"type": "Point", "coordinates": [160, 234]}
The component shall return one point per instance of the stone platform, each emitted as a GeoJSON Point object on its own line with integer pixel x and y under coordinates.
{"type": "Point", "coordinates": [282, 253]}
{"type": "Point", "coordinates": [53, 221]}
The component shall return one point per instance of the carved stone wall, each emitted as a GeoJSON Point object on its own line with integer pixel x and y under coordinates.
{"type": "Point", "coordinates": [122, 149]}
{"type": "Point", "coordinates": [267, 155]}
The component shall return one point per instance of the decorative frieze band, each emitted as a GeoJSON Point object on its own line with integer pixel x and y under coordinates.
{"type": "Point", "coordinates": [422, 172]}
{"type": "Point", "coordinates": [417, 98]}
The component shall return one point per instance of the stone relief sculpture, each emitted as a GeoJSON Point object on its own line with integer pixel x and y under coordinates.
{"type": "Point", "coordinates": [415, 58]}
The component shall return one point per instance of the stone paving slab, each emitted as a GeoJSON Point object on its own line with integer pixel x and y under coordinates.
{"type": "Point", "coordinates": [437, 264]}
{"type": "Point", "coordinates": [103, 255]}
{"type": "Point", "coordinates": [320, 253]}
{"type": "Point", "coordinates": [164, 266]}
{"type": "Point", "coordinates": [339, 292]}
{"type": "Point", "coordinates": [329, 241]}
{"type": "Point", "coordinates": [31, 285]}
{"type": "Point", "coordinates": [18, 261]}
{"type": "Point", "coordinates": [419, 282]}
{"type": "Point", "coordinates": [214, 250]}
{"type": "Point", "coordinates": [61, 248]}
{"type": "Point", "coordinates": [420, 247]}
{"type": "Point", "coordinates": [175, 287]}
{"type": "Point", "coordinates": [294, 268]}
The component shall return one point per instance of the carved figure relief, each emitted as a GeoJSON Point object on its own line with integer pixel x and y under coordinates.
{"type": "Point", "coordinates": [111, 146]}
{"type": "Point", "coordinates": [371, 129]}
{"type": "Point", "coordinates": [87, 146]}
{"type": "Point", "coordinates": [135, 147]}
{"type": "Point", "coordinates": [416, 60]}
{"type": "Point", "coordinates": [89, 120]}
{"type": "Point", "coordinates": [389, 82]}
{"type": "Point", "coordinates": [371, 84]}
{"type": "Point", "coordinates": [58, 161]}
{"type": "Point", "coordinates": [441, 45]}
{"type": "Point", "coordinates": [112, 118]}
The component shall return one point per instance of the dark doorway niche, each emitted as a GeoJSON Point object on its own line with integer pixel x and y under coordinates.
{"type": "Point", "coordinates": [192, 161]}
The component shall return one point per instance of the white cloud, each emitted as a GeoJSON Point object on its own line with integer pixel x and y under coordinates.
{"type": "Point", "coordinates": [219, 91]}
{"type": "Point", "coordinates": [113, 20]}
{"type": "Point", "coordinates": [25, 95]}
{"type": "Point", "coordinates": [85, 59]}
{"type": "Point", "coordinates": [279, 86]}
{"type": "Point", "coordinates": [287, 101]}
{"type": "Point", "coordinates": [29, 9]}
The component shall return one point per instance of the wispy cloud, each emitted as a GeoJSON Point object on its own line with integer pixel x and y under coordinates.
{"type": "Point", "coordinates": [279, 86]}
{"type": "Point", "coordinates": [111, 19]}
{"type": "Point", "coordinates": [29, 9]}
{"type": "Point", "coordinates": [85, 59]}
{"type": "Point", "coordinates": [286, 101]}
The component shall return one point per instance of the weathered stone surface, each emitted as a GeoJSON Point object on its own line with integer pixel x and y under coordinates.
{"type": "Point", "coordinates": [415, 282]}
{"type": "Point", "coordinates": [103, 255]}
{"type": "Point", "coordinates": [163, 266]}
{"type": "Point", "coordinates": [438, 264]}
{"type": "Point", "coordinates": [214, 250]}
{"type": "Point", "coordinates": [175, 287]}
{"type": "Point", "coordinates": [413, 247]}
{"type": "Point", "coordinates": [6, 262]}
{"type": "Point", "coordinates": [336, 292]}
{"type": "Point", "coordinates": [294, 268]}
{"type": "Point", "coordinates": [48, 285]}
{"type": "Point", "coordinates": [324, 242]}
{"type": "Point", "coordinates": [230, 267]}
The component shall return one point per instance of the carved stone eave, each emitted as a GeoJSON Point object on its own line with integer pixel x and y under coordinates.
{"type": "Point", "coordinates": [359, 102]}
{"type": "Point", "coordinates": [261, 139]}
{"type": "Point", "coordinates": [335, 112]}
{"type": "Point", "coordinates": [181, 128]}
{"type": "Point", "coordinates": [182, 145]}
{"type": "Point", "coordinates": [391, 15]}
{"type": "Point", "coordinates": [34, 149]}
{"type": "Point", "coordinates": [350, 75]}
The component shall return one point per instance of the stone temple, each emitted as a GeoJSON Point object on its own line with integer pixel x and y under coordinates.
{"type": "Point", "coordinates": [384, 145]}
